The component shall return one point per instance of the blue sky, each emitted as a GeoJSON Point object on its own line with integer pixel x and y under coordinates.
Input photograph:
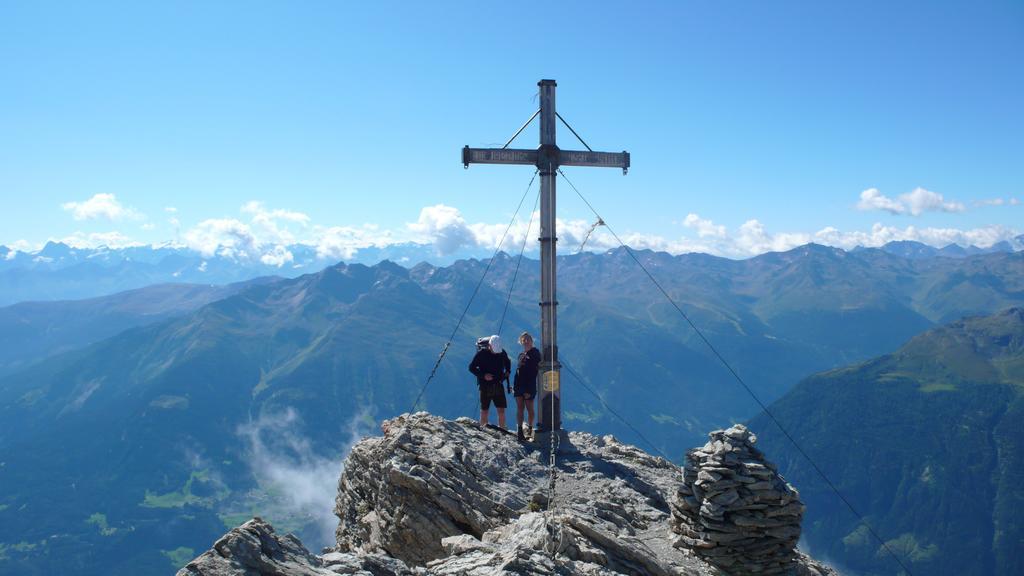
{"type": "Point", "coordinates": [752, 125]}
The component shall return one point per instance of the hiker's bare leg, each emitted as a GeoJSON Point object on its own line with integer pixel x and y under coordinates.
{"type": "Point", "coordinates": [483, 417]}
{"type": "Point", "coordinates": [519, 412]}
{"type": "Point", "coordinates": [501, 418]}
{"type": "Point", "coordinates": [529, 410]}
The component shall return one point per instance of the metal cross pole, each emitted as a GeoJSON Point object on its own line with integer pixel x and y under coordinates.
{"type": "Point", "coordinates": [547, 158]}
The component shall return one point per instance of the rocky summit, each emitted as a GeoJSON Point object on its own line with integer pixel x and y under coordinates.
{"type": "Point", "coordinates": [441, 497]}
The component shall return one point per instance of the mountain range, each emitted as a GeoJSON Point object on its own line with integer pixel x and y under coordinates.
{"type": "Point", "coordinates": [146, 436]}
{"type": "Point", "coordinates": [912, 249]}
{"type": "Point", "coordinates": [58, 271]}
{"type": "Point", "coordinates": [35, 330]}
{"type": "Point", "coordinates": [926, 442]}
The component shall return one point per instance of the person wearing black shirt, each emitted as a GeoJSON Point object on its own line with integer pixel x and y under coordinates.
{"type": "Point", "coordinates": [525, 388]}
{"type": "Point", "coordinates": [491, 366]}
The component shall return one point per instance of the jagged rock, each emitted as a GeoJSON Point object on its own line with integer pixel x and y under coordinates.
{"type": "Point", "coordinates": [254, 549]}
{"type": "Point", "coordinates": [439, 497]}
{"type": "Point", "coordinates": [522, 547]}
{"type": "Point", "coordinates": [734, 510]}
{"type": "Point", "coordinates": [448, 478]}
{"type": "Point", "coordinates": [440, 478]}
{"type": "Point", "coordinates": [367, 565]}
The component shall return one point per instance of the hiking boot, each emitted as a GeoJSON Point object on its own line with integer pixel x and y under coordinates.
{"type": "Point", "coordinates": [520, 435]}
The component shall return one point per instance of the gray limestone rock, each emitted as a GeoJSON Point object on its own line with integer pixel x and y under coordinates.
{"type": "Point", "coordinates": [441, 478]}
{"type": "Point", "coordinates": [447, 479]}
{"type": "Point", "coordinates": [439, 497]}
{"type": "Point", "coordinates": [254, 549]}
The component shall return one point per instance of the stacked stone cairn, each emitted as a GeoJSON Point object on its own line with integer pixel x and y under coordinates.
{"type": "Point", "coordinates": [734, 510]}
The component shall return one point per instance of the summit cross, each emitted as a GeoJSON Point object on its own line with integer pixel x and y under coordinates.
{"type": "Point", "coordinates": [547, 158]}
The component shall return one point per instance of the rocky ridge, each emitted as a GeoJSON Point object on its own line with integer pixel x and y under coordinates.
{"type": "Point", "coordinates": [441, 497]}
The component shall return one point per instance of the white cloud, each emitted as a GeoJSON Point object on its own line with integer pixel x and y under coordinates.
{"type": "Point", "coordinates": [275, 226]}
{"type": "Point", "coordinates": [277, 256]}
{"type": "Point", "coordinates": [915, 202]}
{"type": "Point", "coordinates": [510, 237]}
{"type": "Point", "coordinates": [284, 462]}
{"type": "Point", "coordinates": [21, 245]}
{"type": "Point", "coordinates": [260, 212]}
{"type": "Point", "coordinates": [223, 237]}
{"type": "Point", "coordinates": [571, 233]}
{"type": "Point", "coordinates": [990, 202]}
{"type": "Point", "coordinates": [938, 237]}
{"type": "Point", "coordinates": [265, 238]}
{"type": "Point", "coordinates": [269, 235]}
{"type": "Point", "coordinates": [170, 210]}
{"type": "Point", "coordinates": [998, 202]}
{"type": "Point", "coordinates": [101, 206]}
{"type": "Point", "coordinates": [704, 227]}
{"type": "Point", "coordinates": [113, 239]}
{"type": "Point", "coordinates": [872, 199]}
{"type": "Point", "coordinates": [920, 200]}
{"type": "Point", "coordinates": [343, 242]}
{"type": "Point", "coordinates": [753, 237]}
{"type": "Point", "coordinates": [445, 228]}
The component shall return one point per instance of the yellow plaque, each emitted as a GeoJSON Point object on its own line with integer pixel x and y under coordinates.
{"type": "Point", "coordinates": [551, 381]}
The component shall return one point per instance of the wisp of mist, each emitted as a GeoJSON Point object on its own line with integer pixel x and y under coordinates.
{"type": "Point", "coordinates": [280, 457]}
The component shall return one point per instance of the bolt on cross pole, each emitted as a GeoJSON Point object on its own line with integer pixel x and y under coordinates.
{"type": "Point", "coordinates": [547, 158]}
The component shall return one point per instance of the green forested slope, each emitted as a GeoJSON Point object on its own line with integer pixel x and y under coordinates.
{"type": "Point", "coordinates": [927, 442]}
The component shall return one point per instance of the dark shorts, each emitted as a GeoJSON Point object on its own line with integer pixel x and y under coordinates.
{"type": "Point", "coordinates": [492, 391]}
{"type": "Point", "coordinates": [526, 392]}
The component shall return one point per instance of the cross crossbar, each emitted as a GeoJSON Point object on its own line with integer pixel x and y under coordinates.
{"type": "Point", "coordinates": [534, 158]}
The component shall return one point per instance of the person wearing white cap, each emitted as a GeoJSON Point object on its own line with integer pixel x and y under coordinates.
{"type": "Point", "coordinates": [491, 366]}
